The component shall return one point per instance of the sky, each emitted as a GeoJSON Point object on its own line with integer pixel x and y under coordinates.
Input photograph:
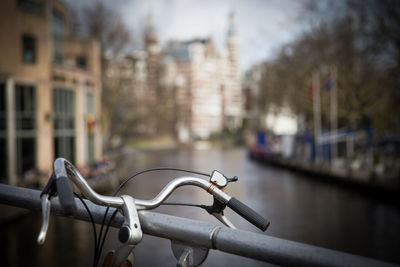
{"type": "Point", "coordinates": [262, 25]}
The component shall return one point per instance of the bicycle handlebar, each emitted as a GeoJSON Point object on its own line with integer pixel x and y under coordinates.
{"type": "Point", "coordinates": [63, 170]}
{"type": "Point", "coordinates": [66, 195]}
{"type": "Point", "coordinates": [248, 213]}
{"type": "Point", "coordinates": [63, 167]}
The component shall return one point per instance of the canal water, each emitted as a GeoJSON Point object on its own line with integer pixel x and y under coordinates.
{"type": "Point", "coordinates": [299, 209]}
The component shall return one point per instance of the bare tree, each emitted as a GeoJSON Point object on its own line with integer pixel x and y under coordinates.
{"type": "Point", "coordinates": [105, 24]}
{"type": "Point", "coordinates": [362, 39]}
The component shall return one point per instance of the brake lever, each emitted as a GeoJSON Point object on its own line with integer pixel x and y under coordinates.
{"type": "Point", "coordinates": [46, 205]}
{"type": "Point", "coordinates": [130, 234]}
{"type": "Point", "coordinates": [47, 193]}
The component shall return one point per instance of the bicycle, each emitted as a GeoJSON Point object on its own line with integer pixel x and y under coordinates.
{"type": "Point", "coordinates": [130, 233]}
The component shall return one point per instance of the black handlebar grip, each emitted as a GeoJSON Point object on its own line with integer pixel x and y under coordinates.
{"type": "Point", "coordinates": [248, 213]}
{"type": "Point", "coordinates": [66, 195]}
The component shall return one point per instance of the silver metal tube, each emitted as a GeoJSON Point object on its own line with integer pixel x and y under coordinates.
{"type": "Point", "coordinates": [60, 166]}
{"type": "Point", "coordinates": [45, 218]}
{"type": "Point", "coordinates": [244, 243]}
{"type": "Point", "coordinates": [178, 182]}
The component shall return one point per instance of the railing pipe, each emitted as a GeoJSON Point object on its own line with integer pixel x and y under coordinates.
{"type": "Point", "coordinates": [243, 243]}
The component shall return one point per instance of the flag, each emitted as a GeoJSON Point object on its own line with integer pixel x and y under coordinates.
{"type": "Point", "coordinates": [329, 82]}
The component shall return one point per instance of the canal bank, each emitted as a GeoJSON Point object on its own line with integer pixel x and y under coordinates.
{"type": "Point", "coordinates": [387, 189]}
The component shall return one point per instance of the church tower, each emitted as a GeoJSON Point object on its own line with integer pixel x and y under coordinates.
{"type": "Point", "coordinates": [233, 92]}
{"type": "Point", "coordinates": [232, 41]}
{"type": "Point", "coordinates": [153, 58]}
{"type": "Point", "coordinates": [153, 52]}
{"type": "Point", "coordinates": [151, 39]}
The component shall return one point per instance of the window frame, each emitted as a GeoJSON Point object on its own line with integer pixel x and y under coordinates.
{"type": "Point", "coordinates": [64, 123]}
{"type": "Point", "coordinates": [32, 38]}
{"type": "Point", "coordinates": [26, 92]}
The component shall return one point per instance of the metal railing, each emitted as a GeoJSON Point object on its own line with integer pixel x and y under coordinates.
{"type": "Point", "coordinates": [201, 234]}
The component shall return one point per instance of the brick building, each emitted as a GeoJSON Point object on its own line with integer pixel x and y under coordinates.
{"type": "Point", "coordinates": [208, 85]}
{"type": "Point", "coordinates": [50, 89]}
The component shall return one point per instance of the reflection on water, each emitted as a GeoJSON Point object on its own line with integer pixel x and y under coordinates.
{"type": "Point", "coordinates": [299, 209]}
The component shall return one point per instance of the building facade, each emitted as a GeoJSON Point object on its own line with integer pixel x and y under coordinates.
{"type": "Point", "coordinates": [50, 89]}
{"type": "Point", "coordinates": [208, 83]}
{"type": "Point", "coordinates": [188, 87]}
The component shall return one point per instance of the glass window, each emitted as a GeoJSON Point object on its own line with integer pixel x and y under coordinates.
{"type": "Point", "coordinates": [25, 118]}
{"type": "Point", "coordinates": [57, 27]}
{"type": "Point", "coordinates": [3, 115]}
{"type": "Point", "coordinates": [90, 120]}
{"type": "Point", "coordinates": [64, 123]}
{"type": "Point", "coordinates": [81, 62]}
{"type": "Point", "coordinates": [28, 49]}
{"type": "Point", "coordinates": [31, 6]}
{"type": "Point", "coordinates": [25, 107]}
{"type": "Point", "coordinates": [90, 103]}
{"type": "Point", "coordinates": [26, 152]}
{"type": "Point", "coordinates": [3, 162]}
{"type": "Point", "coordinates": [3, 134]}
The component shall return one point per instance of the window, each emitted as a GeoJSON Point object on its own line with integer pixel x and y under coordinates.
{"type": "Point", "coordinates": [31, 6]}
{"type": "Point", "coordinates": [81, 62]}
{"type": "Point", "coordinates": [3, 115]}
{"type": "Point", "coordinates": [3, 134]}
{"type": "Point", "coordinates": [28, 49]}
{"type": "Point", "coordinates": [57, 29]}
{"type": "Point", "coordinates": [90, 126]}
{"type": "Point", "coordinates": [3, 162]}
{"type": "Point", "coordinates": [64, 123]}
{"type": "Point", "coordinates": [25, 107]}
{"type": "Point", "coordinates": [25, 116]}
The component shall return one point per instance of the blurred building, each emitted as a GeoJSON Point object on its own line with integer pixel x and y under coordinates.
{"type": "Point", "coordinates": [208, 85]}
{"type": "Point", "coordinates": [187, 88]}
{"type": "Point", "coordinates": [129, 74]}
{"type": "Point", "coordinates": [50, 89]}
